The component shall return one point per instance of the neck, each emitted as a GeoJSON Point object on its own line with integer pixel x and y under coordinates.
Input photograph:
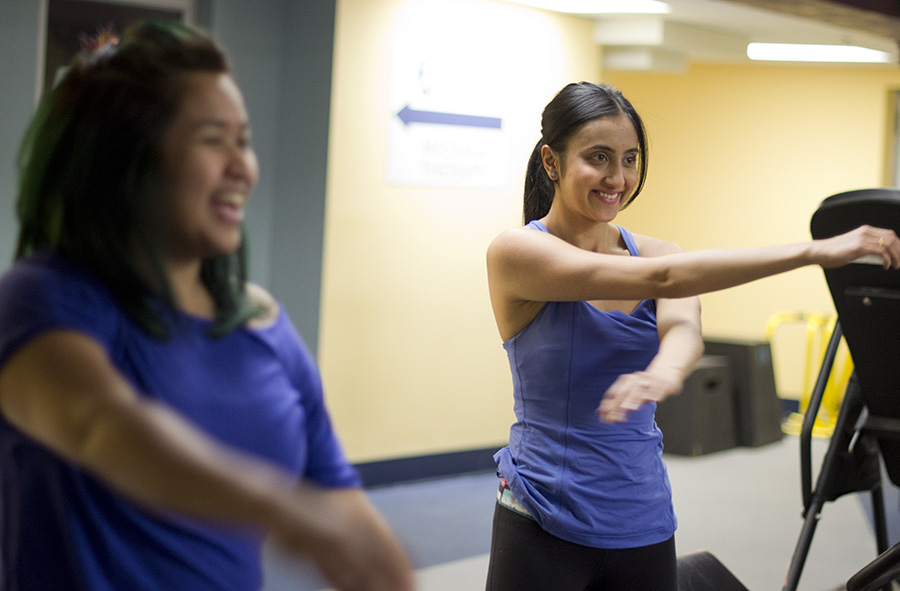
{"type": "Point", "coordinates": [191, 295]}
{"type": "Point", "coordinates": [183, 276]}
{"type": "Point", "coordinates": [599, 237]}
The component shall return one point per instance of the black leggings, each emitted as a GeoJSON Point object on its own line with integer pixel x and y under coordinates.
{"type": "Point", "coordinates": [526, 558]}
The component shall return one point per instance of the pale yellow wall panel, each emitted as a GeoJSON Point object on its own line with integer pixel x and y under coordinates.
{"type": "Point", "coordinates": [410, 355]}
{"type": "Point", "coordinates": [742, 156]}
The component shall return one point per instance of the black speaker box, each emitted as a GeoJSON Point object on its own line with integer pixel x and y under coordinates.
{"type": "Point", "coordinates": [700, 420]}
{"type": "Point", "coordinates": [757, 408]}
{"type": "Point", "coordinates": [701, 571]}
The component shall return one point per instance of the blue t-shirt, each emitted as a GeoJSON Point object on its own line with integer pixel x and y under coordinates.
{"type": "Point", "coordinates": [256, 390]}
{"type": "Point", "coordinates": [596, 484]}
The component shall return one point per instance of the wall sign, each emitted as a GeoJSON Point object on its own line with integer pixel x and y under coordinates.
{"type": "Point", "coordinates": [444, 128]}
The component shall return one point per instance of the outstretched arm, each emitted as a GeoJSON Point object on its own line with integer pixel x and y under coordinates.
{"type": "Point", "coordinates": [527, 268]}
{"type": "Point", "coordinates": [529, 265]}
{"type": "Point", "coordinates": [62, 390]}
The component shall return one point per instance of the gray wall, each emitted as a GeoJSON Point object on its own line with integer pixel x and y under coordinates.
{"type": "Point", "coordinates": [18, 78]}
{"type": "Point", "coordinates": [281, 51]}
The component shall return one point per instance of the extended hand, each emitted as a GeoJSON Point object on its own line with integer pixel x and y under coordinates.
{"type": "Point", "coordinates": [863, 241]}
{"type": "Point", "coordinates": [346, 538]}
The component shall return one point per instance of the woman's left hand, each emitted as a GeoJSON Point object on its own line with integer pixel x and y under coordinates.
{"type": "Point", "coordinates": [631, 391]}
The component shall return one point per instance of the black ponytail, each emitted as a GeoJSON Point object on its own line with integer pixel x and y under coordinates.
{"type": "Point", "coordinates": [539, 190]}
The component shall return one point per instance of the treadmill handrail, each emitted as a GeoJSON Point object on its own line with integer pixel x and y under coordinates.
{"type": "Point", "coordinates": [809, 420]}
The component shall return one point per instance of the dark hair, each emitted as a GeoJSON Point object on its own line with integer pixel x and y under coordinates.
{"type": "Point", "coordinates": [572, 107]}
{"type": "Point", "coordinates": [90, 170]}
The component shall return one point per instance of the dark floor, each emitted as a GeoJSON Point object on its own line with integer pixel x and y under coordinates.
{"type": "Point", "coordinates": [743, 505]}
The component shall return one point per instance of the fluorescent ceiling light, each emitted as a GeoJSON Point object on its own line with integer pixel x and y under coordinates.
{"type": "Point", "coordinates": [796, 52]}
{"type": "Point", "coordinates": [599, 6]}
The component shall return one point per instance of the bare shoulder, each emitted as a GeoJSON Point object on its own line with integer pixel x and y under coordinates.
{"type": "Point", "coordinates": [511, 237]}
{"type": "Point", "coordinates": [523, 241]}
{"type": "Point", "coordinates": [261, 298]}
{"type": "Point", "coordinates": [505, 245]}
{"type": "Point", "coordinates": [654, 247]}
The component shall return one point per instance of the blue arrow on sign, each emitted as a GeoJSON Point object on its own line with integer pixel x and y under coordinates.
{"type": "Point", "coordinates": [408, 116]}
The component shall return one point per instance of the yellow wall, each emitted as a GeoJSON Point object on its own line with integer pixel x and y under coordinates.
{"type": "Point", "coordinates": [741, 156]}
{"type": "Point", "coordinates": [410, 355]}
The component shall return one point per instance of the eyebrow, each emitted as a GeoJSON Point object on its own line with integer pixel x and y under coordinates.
{"type": "Point", "coordinates": [609, 149]}
{"type": "Point", "coordinates": [220, 123]}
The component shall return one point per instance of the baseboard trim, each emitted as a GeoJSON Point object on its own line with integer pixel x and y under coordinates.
{"type": "Point", "coordinates": [410, 469]}
{"type": "Point", "coordinates": [427, 467]}
{"type": "Point", "coordinates": [789, 406]}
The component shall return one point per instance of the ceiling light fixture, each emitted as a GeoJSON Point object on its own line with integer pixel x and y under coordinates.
{"type": "Point", "coordinates": [599, 6]}
{"type": "Point", "coordinates": [796, 52]}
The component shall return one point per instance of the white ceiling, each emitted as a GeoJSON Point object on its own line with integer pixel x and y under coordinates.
{"type": "Point", "coordinates": [715, 31]}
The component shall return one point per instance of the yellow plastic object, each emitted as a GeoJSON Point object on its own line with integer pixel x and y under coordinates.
{"type": "Point", "coordinates": [819, 328]}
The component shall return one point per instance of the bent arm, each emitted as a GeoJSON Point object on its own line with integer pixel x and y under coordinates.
{"type": "Point", "coordinates": [680, 346]}
{"type": "Point", "coordinates": [680, 340]}
{"type": "Point", "coordinates": [62, 390]}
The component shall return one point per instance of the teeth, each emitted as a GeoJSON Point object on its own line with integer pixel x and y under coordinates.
{"type": "Point", "coordinates": [608, 195]}
{"type": "Point", "coordinates": [235, 200]}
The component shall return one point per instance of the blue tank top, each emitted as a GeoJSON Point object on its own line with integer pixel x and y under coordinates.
{"type": "Point", "coordinates": [596, 484]}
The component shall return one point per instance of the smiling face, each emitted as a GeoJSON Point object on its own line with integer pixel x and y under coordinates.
{"type": "Point", "coordinates": [209, 169]}
{"type": "Point", "coordinates": [598, 170]}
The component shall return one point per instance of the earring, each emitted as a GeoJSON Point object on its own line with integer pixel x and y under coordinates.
{"type": "Point", "coordinates": [553, 175]}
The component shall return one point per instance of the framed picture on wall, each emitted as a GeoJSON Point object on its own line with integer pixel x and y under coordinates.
{"type": "Point", "coordinates": [69, 24]}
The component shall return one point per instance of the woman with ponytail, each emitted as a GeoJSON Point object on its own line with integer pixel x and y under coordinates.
{"type": "Point", "coordinates": [600, 324]}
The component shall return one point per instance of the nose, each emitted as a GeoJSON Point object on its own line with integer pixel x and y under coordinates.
{"type": "Point", "coordinates": [615, 175]}
{"type": "Point", "coordinates": [242, 163]}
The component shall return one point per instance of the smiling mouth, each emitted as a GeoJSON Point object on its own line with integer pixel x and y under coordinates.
{"type": "Point", "coordinates": [607, 197]}
{"type": "Point", "coordinates": [230, 209]}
